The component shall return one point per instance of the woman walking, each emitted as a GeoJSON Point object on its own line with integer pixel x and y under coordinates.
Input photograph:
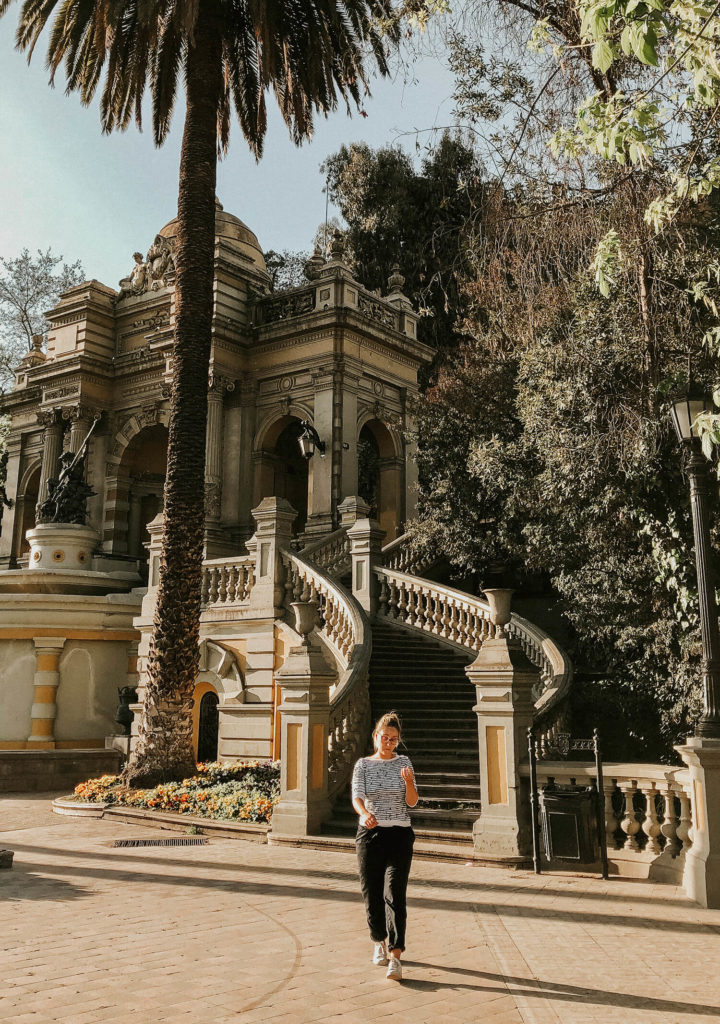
{"type": "Point", "coordinates": [383, 787]}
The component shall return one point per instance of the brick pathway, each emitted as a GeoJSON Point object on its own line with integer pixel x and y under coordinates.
{"type": "Point", "coordinates": [242, 932]}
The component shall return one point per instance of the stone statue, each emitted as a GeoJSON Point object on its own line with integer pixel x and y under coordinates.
{"type": "Point", "coordinates": [137, 281]}
{"type": "Point", "coordinates": [68, 494]}
{"type": "Point", "coordinates": [151, 272]}
{"type": "Point", "coordinates": [160, 261]}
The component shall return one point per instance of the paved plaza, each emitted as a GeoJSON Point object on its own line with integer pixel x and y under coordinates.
{"type": "Point", "coordinates": [243, 932]}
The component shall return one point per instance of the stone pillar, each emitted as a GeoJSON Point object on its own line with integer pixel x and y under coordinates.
{"type": "Point", "coordinates": [274, 518]}
{"type": "Point", "coordinates": [11, 518]}
{"type": "Point", "coordinates": [503, 679]}
{"type": "Point", "coordinates": [214, 444]}
{"type": "Point", "coordinates": [305, 679]}
{"type": "Point", "coordinates": [47, 679]}
{"type": "Point", "coordinates": [52, 447]}
{"type": "Point", "coordinates": [144, 623]}
{"type": "Point", "coordinates": [81, 419]}
{"type": "Point", "coordinates": [366, 539]}
{"type": "Point", "coordinates": [349, 455]}
{"type": "Point", "coordinates": [320, 481]}
{"type": "Point", "coordinates": [351, 509]}
{"type": "Point", "coordinates": [701, 876]}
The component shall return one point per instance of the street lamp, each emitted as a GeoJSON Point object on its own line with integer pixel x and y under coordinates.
{"type": "Point", "coordinates": [685, 413]}
{"type": "Point", "coordinates": [309, 440]}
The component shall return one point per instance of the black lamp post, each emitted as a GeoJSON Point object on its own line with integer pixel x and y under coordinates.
{"type": "Point", "coordinates": [685, 413]}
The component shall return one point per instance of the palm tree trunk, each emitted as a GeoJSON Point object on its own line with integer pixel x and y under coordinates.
{"type": "Point", "coordinates": [165, 749]}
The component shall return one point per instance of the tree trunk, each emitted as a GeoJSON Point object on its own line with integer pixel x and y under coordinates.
{"type": "Point", "coordinates": [165, 748]}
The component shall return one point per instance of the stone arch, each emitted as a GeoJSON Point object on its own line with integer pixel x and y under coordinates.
{"type": "Point", "coordinates": [267, 431]}
{"type": "Point", "coordinates": [135, 479]}
{"type": "Point", "coordinates": [26, 500]}
{"type": "Point", "coordinates": [279, 468]}
{"type": "Point", "coordinates": [381, 473]}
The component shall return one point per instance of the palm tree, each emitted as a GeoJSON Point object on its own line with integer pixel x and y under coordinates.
{"type": "Point", "coordinates": [230, 53]}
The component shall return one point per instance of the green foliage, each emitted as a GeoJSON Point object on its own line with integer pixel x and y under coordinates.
{"type": "Point", "coordinates": [399, 214]}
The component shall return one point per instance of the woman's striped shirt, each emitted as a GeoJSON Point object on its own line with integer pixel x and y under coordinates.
{"type": "Point", "coordinates": [382, 789]}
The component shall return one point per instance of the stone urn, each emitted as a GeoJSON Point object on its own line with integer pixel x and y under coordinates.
{"type": "Point", "coordinates": [499, 599]}
{"type": "Point", "coordinates": [306, 618]}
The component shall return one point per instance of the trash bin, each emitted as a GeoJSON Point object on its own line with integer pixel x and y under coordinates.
{"type": "Point", "coordinates": [568, 817]}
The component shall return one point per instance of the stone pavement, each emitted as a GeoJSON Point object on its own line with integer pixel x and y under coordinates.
{"type": "Point", "coordinates": [241, 932]}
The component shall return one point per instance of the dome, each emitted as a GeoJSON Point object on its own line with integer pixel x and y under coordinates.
{"type": "Point", "coordinates": [232, 228]}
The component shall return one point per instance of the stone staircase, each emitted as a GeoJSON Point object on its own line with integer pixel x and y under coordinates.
{"type": "Point", "coordinates": [425, 682]}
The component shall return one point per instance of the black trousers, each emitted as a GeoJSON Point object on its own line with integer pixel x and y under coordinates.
{"type": "Point", "coordinates": [384, 858]}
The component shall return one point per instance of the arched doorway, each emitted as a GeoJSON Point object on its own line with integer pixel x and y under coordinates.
{"type": "Point", "coordinates": [28, 501]}
{"type": "Point", "coordinates": [380, 476]}
{"type": "Point", "coordinates": [281, 471]}
{"type": "Point", "coordinates": [207, 748]}
{"type": "Point", "coordinates": [140, 483]}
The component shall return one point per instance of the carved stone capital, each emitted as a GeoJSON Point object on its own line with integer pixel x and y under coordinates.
{"type": "Point", "coordinates": [49, 418]}
{"type": "Point", "coordinates": [220, 385]}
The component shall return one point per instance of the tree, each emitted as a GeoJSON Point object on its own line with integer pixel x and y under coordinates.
{"type": "Point", "coordinates": [230, 53]}
{"type": "Point", "coordinates": [29, 285]}
{"type": "Point", "coordinates": [396, 213]}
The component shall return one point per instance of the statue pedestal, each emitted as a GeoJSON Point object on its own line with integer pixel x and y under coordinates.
{"type": "Point", "coordinates": [61, 546]}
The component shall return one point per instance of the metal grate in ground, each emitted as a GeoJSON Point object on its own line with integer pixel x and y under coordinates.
{"type": "Point", "coordinates": [160, 842]}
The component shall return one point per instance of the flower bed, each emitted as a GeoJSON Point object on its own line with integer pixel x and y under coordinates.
{"type": "Point", "coordinates": [237, 790]}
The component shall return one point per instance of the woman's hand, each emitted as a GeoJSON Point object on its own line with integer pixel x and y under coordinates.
{"type": "Point", "coordinates": [368, 820]}
{"type": "Point", "coordinates": [411, 793]}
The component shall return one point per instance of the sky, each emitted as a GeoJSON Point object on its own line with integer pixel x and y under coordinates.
{"type": "Point", "coordinates": [99, 198]}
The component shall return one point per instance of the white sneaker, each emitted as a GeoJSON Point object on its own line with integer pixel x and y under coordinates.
{"type": "Point", "coordinates": [394, 971]}
{"type": "Point", "coordinates": [380, 954]}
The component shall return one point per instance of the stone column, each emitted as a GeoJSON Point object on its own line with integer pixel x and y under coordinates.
{"type": "Point", "coordinates": [11, 518]}
{"type": "Point", "coordinates": [81, 419]}
{"type": "Point", "coordinates": [137, 656]}
{"type": "Point", "coordinates": [274, 518]}
{"type": "Point", "coordinates": [503, 679]}
{"type": "Point", "coordinates": [305, 679]}
{"type": "Point", "coordinates": [134, 524]}
{"type": "Point", "coordinates": [320, 481]}
{"type": "Point", "coordinates": [214, 443]}
{"type": "Point", "coordinates": [47, 679]}
{"type": "Point", "coordinates": [52, 447]}
{"type": "Point", "coordinates": [366, 539]}
{"type": "Point", "coordinates": [701, 876]}
{"type": "Point", "coordinates": [351, 509]}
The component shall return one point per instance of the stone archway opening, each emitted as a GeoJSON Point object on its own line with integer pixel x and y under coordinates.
{"type": "Point", "coordinates": [29, 501]}
{"type": "Point", "coordinates": [208, 727]}
{"type": "Point", "coordinates": [380, 469]}
{"type": "Point", "coordinates": [281, 470]}
{"type": "Point", "coordinates": [140, 484]}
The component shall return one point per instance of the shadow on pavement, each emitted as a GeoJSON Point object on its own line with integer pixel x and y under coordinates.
{"type": "Point", "coordinates": [552, 990]}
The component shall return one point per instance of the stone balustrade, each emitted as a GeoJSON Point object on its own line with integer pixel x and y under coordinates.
{"type": "Point", "coordinates": [346, 631]}
{"type": "Point", "coordinates": [227, 582]}
{"type": "Point", "coordinates": [464, 620]}
{"type": "Point", "coordinates": [648, 813]}
{"type": "Point", "coordinates": [399, 556]}
{"type": "Point", "coordinates": [330, 553]}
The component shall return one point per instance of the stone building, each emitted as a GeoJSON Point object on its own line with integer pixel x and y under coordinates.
{"type": "Point", "coordinates": [330, 352]}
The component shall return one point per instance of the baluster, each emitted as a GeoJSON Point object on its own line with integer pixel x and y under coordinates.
{"type": "Point", "coordinates": [222, 584]}
{"type": "Point", "coordinates": [204, 586]}
{"type": "Point", "coordinates": [445, 630]}
{"type": "Point", "coordinates": [410, 604]}
{"type": "Point", "coordinates": [685, 830]}
{"type": "Point", "coordinates": [437, 616]}
{"type": "Point", "coordinates": [213, 585]}
{"type": "Point", "coordinates": [297, 583]}
{"type": "Point", "coordinates": [629, 824]}
{"type": "Point", "coordinates": [400, 601]}
{"type": "Point", "coordinates": [231, 583]}
{"type": "Point", "coordinates": [427, 610]}
{"type": "Point", "coordinates": [393, 600]}
{"type": "Point", "coordinates": [670, 820]}
{"type": "Point", "coordinates": [453, 634]}
{"type": "Point", "coordinates": [612, 822]}
{"type": "Point", "coordinates": [384, 595]}
{"type": "Point", "coordinates": [250, 571]}
{"type": "Point", "coordinates": [651, 825]}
